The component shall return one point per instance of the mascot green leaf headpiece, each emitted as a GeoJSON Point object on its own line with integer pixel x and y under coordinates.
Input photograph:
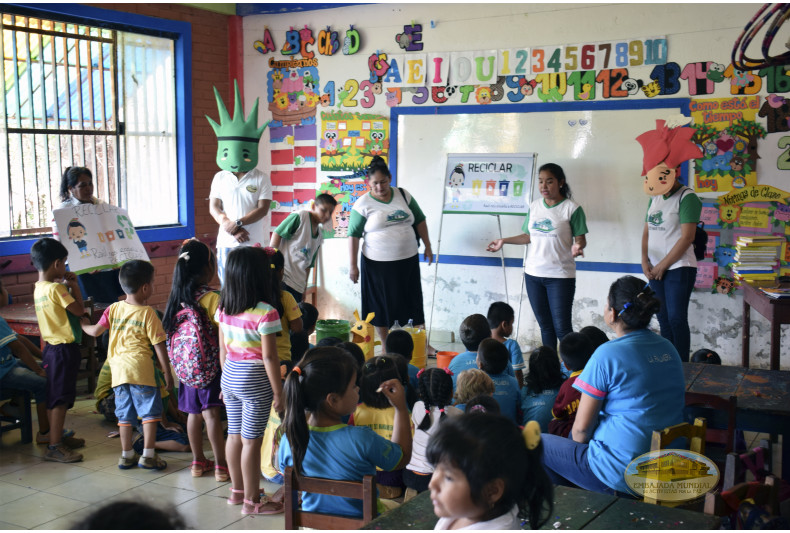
{"type": "Point", "coordinates": [237, 139]}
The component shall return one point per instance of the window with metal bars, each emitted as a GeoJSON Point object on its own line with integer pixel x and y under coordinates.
{"type": "Point", "coordinates": [95, 96]}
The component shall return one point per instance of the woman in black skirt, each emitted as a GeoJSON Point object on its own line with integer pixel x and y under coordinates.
{"type": "Point", "coordinates": [387, 219]}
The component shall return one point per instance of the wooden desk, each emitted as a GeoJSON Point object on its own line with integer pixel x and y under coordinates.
{"type": "Point", "coordinates": [573, 509]}
{"type": "Point", "coordinates": [21, 318]}
{"type": "Point", "coordinates": [763, 398]}
{"type": "Point", "coordinates": [777, 311]}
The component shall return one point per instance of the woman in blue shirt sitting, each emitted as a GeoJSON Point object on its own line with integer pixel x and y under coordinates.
{"type": "Point", "coordinates": [631, 386]}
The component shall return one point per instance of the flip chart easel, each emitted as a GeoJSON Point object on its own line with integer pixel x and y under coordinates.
{"type": "Point", "coordinates": [486, 184]}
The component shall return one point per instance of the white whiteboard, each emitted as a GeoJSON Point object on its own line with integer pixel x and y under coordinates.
{"type": "Point", "coordinates": [596, 148]}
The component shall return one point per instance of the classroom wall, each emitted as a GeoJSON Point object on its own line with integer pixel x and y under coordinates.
{"type": "Point", "coordinates": [695, 32]}
{"type": "Point", "coordinates": [209, 68]}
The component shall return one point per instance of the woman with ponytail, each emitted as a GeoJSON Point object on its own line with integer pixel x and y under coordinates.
{"type": "Point", "coordinates": [631, 386]}
{"type": "Point", "coordinates": [435, 387]}
{"type": "Point", "coordinates": [320, 390]}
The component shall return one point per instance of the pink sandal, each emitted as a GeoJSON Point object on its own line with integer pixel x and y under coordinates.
{"type": "Point", "coordinates": [240, 500]}
{"type": "Point", "coordinates": [221, 473]}
{"type": "Point", "coordinates": [263, 507]}
{"type": "Point", "coordinates": [199, 468]}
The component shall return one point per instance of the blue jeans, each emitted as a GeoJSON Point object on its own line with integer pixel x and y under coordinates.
{"type": "Point", "coordinates": [565, 461]}
{"type": "Point", "coordinates": [20, 377]}
{"type": "Point", "coordinates": [552, 302]}
{"type": "Point", "coordinates": [674, 291]}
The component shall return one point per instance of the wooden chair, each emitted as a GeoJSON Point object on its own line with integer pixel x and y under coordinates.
{"type": "Point", "coordinates": [694, 435]}
{"type": "Point", "coordinates": [757, 461]}
{"type": "Point", "coordinates": [765, 495]}
{"type": "Point", "coordinates": [88, 352]}
{"type": "Point", "coordinates": [295, 517]}
{"type": "Point", "coordinates": [24, 422]}
{"type": "Point", "coordinates": [719, 436]}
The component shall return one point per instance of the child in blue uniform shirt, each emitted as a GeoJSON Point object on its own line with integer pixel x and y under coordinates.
{"type": "Point", "coordinates": [474, 329]}
{"type": "Point", "coordinates": [400, 342]}
{"type": "Point", "coordinates": [500, 319]}
{"type": "Point", "coordinates": [493, 358]}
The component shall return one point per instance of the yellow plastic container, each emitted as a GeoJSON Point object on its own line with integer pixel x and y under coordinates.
{"type": "Point", "coordinates": [418, 358]}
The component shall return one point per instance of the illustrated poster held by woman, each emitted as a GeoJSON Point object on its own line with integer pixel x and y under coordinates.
{"type": "Point", "coordinates": [668, 259]}
{"type": "Point", "coordinates": [556, 229]}
{"type": "Point", "coordinates": [386, 218]}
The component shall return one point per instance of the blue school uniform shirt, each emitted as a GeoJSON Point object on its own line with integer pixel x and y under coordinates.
{"type": "Point", "coordinates": [7, 359]}
{"type": "Point", "coordinates": [413, 370]}
{"type": "Point", "coordinates": [465, 361]}
{"type": "Point", "coordinates": [537, 407]}
{"type": "Point", "coordinates": [516, 358]}
{"type": "Point", "coordinates": [341, 452]}
{"type": "Point", "coordinates": [507, 395]}
{"type": "Point", "coordinates": [639, 377]}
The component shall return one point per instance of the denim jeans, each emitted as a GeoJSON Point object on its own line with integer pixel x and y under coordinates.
{"type": "Point", "coordinates": [552, 302]}
{"type": "Point", "coordinates": [674, 291]}
{"type": "Point", "coordinates": [20, 377]}
{"type": "Point", "coordinates": [565, 461]}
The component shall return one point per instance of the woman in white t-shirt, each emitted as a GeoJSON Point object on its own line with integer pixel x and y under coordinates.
{"type": "Point", "coordinates": [386, 219]}
{"type": "Point", "coordinates": [555, 227]}
{"type": "Point", "coordinates": [76, 187]}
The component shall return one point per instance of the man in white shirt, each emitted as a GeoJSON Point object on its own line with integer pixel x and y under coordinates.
{"type": "Point", "coordinates": [240, 193]}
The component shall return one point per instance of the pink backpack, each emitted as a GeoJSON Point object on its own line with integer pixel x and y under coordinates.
{"type": "Point", "coordinates": [194, 346]}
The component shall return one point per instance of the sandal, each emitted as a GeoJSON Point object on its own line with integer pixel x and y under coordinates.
{"type": "Point", "coordinates": [240, 500]}
{"type": "Point", "coordinates": [200, 467]}
{"type": "Point", "coordinates": [221, 473]}
{"type": "Point", "coordinates": [263, 507]}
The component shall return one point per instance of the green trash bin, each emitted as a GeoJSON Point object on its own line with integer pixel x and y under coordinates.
{"type": "Point", "coordinates": [332, 328]}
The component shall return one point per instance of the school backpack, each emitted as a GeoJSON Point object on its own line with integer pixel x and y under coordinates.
{"type": "Point", "coordinates": [193, 346]}
{"type": "Point", "coordinates": [700, 236]}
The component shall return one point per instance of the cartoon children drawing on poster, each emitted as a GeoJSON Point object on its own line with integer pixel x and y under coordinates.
{"type": "Point", "coordinates": [76, 233]}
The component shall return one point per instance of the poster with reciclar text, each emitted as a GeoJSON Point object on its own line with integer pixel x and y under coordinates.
{"type": "Point", "coordinates": [97, 237]}
{"type": "Point", "coordinates": [488, 184]}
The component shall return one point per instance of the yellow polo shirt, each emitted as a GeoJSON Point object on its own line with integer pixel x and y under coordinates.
{"type": "Point", "coordinates": [57, 325]}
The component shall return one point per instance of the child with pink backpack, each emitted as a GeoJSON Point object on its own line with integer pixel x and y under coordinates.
{"type": "Point", "coordinates": [192, 342]}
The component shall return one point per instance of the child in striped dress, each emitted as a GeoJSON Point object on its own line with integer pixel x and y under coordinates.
{"type": "Point", "coordinates": [251, 382]}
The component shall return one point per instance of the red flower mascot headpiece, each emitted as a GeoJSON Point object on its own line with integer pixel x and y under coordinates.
{"type": "Point", "coordinates": [665, 148]}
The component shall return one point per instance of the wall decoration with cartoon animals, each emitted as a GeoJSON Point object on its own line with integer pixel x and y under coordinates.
{"type": "Point", "coordinates": [98, 236]}
{"type": "Point", "coordinates": [350, 141]}
{"type": "Point", "coordinates": [752, 210]}
{"type": "Point", "coordinates": [346, 192]}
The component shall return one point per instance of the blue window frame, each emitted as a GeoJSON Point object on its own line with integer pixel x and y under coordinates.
{"type": "Point", "coordinates": [181, 34]}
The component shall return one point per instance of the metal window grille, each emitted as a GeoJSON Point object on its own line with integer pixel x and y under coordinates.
{"type": "Point", "coordinates": [62, 106]}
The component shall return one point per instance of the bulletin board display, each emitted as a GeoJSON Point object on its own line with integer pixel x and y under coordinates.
{"type": "Point", "coordinates": [595, 146]}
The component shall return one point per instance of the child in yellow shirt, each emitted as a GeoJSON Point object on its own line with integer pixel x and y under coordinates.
{"type": "Point", "coordinates": [134, 328]}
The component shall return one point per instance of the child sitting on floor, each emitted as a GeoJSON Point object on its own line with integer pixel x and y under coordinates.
{"type": "Point", "coordinates": [400, 342]}
{"type": "Point", "coordinates": [541, 386]}
{"type": "Point", "coordinates": [474, 329]}
{"type": "Point", "coordinates": [575, 350]}
{"type": "Point", "coordinates": [436, 393]}
{"type": "Point", "coordinates": [323, 385]}
{"type": "Point", "coordinates": [488, 474]}
{"type": "Point", "coordinates": [59, 311]}
{"type": "Point", "coordinates": [493, 358]}
{"type": "Point", "coordinates": [134, 328]}
{"type": "Point", "coordinates": [471, 383]}
{"type": "Point", "coordinates": [500, 319]}
{"type": "Point", "coordinates": [376, 412]}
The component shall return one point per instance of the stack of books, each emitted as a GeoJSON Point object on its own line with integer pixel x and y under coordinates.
{"type": "Point", "coordinates": [776, 293]}
{"type": "Point", "coordinates": [757, 257]}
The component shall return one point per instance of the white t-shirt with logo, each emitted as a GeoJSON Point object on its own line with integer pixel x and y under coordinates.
{"type": "Point", "coordinates": [239, 197]}
{"type": "Point", "coordinates": [386, 228]}
{"type": "Point", "coordinates": [665, 214]}
{"type": "Point", "coordinates": [299, 247]}
{"type": "Point", "coordinates": [551, 231]}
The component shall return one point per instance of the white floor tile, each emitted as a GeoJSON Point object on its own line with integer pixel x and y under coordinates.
{"type": "Point", "coordinates": [95, 487]}
{"type": "Point", "coordinates": [38, 509]}
{"type": "Point", "coordinates": [45, 475]}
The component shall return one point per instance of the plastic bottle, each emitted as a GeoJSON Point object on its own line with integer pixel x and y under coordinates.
{"type": "Point", "coordinates": [395, 326]}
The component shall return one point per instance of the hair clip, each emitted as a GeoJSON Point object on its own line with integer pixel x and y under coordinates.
{"type": "Point", "coordinates": [626, 306]}
{"type": "Point", "coordinates": [448, 372]}
{"type": "Point", "coordinates": [184, 256]}
{"type": "Point", "coordinates": [420, 373]}
{"type": "Point", "coordinates": [477, 409]}
{"type": "Point", "coordinates": [297, 370]}
{"type": "Point", "coordinates": [270, 251]}
{"type": "Point", "coordinates": [441, 410]}
{"type": "Point", "coordinates": [531, 434]}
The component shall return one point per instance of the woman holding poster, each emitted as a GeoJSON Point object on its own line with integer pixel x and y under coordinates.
{"type": "Point", "coordinates": [555, 227]}
{"type": "Point", "coordinates": [76, 187]}
{"type": "Point", "coordinates": [387, 218]}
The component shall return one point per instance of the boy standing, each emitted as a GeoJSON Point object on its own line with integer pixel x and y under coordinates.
{"type": "Point", "coordinates": [134, 328]}
{"type": "Point", "coordinates": [500, 319]}
{"type": "Point", "coordinates": [303, 238]}
{"type": "Point", "coordinates": [58, 310]}
{"type": "Point", "coordinates": [493, 359]}
{"type": "Point", "coordinates": [575, 350]}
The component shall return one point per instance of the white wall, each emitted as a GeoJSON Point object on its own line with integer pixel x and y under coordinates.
{"type": "Point", "coordinates": [695, 32]}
